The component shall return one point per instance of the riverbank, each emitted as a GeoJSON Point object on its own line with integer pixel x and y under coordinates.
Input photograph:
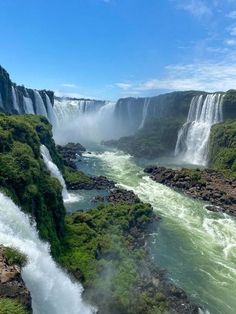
{"type": "Point", "coordinates": [206, 185]}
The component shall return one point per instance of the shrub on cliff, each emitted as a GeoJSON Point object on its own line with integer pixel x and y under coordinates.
{"type": "Point", "coordinates": [24, 177]}
{"type": "Point", "coordinates": [222, 148]}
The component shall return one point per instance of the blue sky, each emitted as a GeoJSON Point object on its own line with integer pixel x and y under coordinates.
{"type": "Point", "coordinates": [108, 49]}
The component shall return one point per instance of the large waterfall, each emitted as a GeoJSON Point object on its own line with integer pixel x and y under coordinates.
{"type": "Point", "coordinates": [28, 101]}
{"type": "Point", "coordinates": [193, 137]}
{"type": "Point", "coordinates": [51, 289]}
{"type": "Point", "coordinates": [84, 120]}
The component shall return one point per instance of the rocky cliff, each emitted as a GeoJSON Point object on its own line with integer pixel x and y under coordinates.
{"type": "Point", "coordinates": [14, 295]}
{"type": "Point", "coordinates": [16, 99]}
{"type": "Point", "coordinates": [24, 177]}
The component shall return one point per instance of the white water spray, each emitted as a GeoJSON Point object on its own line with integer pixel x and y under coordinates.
{"type": "Point", "coordinates": [84, 120]}
{"type": "Point", "coordinates": [193, 137]}
{"type": "Point", "coordinates": [28, 105]}
{"type": "Point", "coordinates": [39, 104]}
{"type": "Point", "coordinates": [51, 114]}
{"type": "Point", "coordinates": [51, 289]}
{"type": "Point", "coordinates": [55, 172]}
{"type": "Point", "coordinates": [145, 111]}
{"type": "Point", "coordinates": [14, 99]}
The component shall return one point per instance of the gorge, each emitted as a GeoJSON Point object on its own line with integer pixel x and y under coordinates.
{"type": "Point", "coordinates": [118, 249]}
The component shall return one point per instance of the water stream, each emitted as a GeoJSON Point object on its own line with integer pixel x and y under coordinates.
{"type": "Point", "coordinates": [52, 290]}
{"type": "Point", "coordinates": [196, 246]}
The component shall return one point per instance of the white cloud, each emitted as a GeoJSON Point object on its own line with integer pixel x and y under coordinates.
{"type": "Point", "coordinates": [232, 30]}
{"type": "Point", "coordinates": [69, 85]}
{"type": "Point", "coordinates": [197, 8]}
{"type": "Point", "coordinates": [124, 86]}
{"type": "Point", "coordinates": [232, 15]}
{"type": "Point", "coordinates": [230, 42]}
{"type": "Point", "coordinates": [203, 76]}
{"type": "Point", "coordinates": [60, 93]}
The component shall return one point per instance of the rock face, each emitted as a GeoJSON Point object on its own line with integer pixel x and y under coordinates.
{"type": "Point", "coordinates": [207, 185]}
{"type": "Point", "coordinates": [98, 183]}
{"type": "Point", "coordinates": [16, 99]}
{"type": "Point", "coordinates": [70, 153]}
{"type": "Point", "coordinates": [11, 283]}
{"type": "Point", "coordinates": [121, 196]}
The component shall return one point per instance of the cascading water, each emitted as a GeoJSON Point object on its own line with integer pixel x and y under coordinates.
{"type": "Point", "coordinates": [39, 104]}
{"type": "Point", "coordinates": [51, 289]}
{"type": "Point", "coordinates": [53, 169]}
{"type": "Point", "coordinates": [51, 114]}
{"type": "Point", "coordinates": [14, 99]}
{"type": "Point", "coordinates": [55, 172]}
{"type": "Point", "coordinates": [28, 105]}
{"type": "Point", "coordinates": [193, 137]}
{"type": "Point", "coordinates": [145, 111]}
{"type": "Point", "coordinates": [88, 121]}
{"type": "Point", "coordinates": [67, 110]}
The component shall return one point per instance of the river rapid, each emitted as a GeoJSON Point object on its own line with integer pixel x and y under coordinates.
{"type": "Point", "coordinates": [196, 247]}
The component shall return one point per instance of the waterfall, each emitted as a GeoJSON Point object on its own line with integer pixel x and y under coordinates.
{"type": "Point", "coordinates": [15, 100]}
{"type": "Point", "coordinates": [193, 137]}
{"type": "Point", "coordinates": [145, 111]}
{"type": "Point", "coordinates": [28, 105]}
{"type": "Point", "coordinates": [51, 289]}
{"type": "Point", "coordinates": [39, 104]}
{"type": "Point", "coordinates": [84, 120]}
{"type": "Point", "coordinates": [53, 169]}
{"type": "Point", "coordinates": [51, 114]}
{"type": "Point", "coordinates": [67, 110]}
{"type": "Point", "coordinates": [55, 172]}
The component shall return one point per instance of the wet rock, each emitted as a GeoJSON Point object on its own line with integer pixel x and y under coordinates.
{"type": "Point", "coordinates": [118, 195]}
{"type": "Point", "coordinates": [94, 183]}
{"type": "Point", "coordinates": [207, 185]}
{"type": "Point", "coordinates": [71, 153]}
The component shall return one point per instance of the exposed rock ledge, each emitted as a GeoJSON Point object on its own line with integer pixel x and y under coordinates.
{"type": "Point", "coordinates": [207, 185]}
{"type": "Point", "coordinates": [12, 285]}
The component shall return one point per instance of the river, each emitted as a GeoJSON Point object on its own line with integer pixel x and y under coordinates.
{"type": "Point", "coordinates": [196, 247]}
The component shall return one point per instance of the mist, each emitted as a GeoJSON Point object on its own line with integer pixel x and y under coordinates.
{"type": "Point", "coordinates": [87, 122]}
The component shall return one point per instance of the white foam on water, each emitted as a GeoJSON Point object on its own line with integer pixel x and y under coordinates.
{"type": "Point", "coordinates": [51, 289]}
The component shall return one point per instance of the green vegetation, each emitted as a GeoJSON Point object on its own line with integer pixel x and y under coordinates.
{"type": "Point", "coordinates": [24, 177]}
{"type": "Point", "coordinates": [101, 248]}
{"type": "Point", "coordinates": [229, 104]}
{"type": "Point", "coordinates": [73, 176]}
{"type": "Point", "coordinates": [157, 138]}
{"type": "Point", "coordinates": [223, 147]}
{"type": "Point", "coordinates": [10, 306]}
{"type": "Point", "coordinates": [14, 257]}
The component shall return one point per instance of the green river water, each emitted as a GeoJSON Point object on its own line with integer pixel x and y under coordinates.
{"type": "Point", "coordinates": [196, 247]}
